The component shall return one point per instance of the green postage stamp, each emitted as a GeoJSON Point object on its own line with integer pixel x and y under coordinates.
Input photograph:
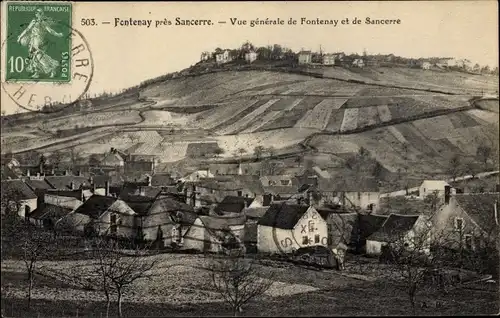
{"type": "Point", "coordinates": [38, 45]}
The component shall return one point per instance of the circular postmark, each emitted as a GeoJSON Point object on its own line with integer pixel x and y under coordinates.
{"type": "Point", "coordinates": [47, 65]}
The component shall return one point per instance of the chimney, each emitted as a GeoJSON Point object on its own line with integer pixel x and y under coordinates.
{"type": "Point", "coordinates": [106, 185]}
{"type": "Point", "coordinates": [496, 212]}
{"type": "Point", "coordinates": [309, 198]}
{"type": "Point", "coordinates": [66, 172]}
{"type": "Point", "coordinates": [240, 172]}
{"type": "Point", "coordinates": [28, 173]}
{"type": "Point", "coordinates": [82, 198]}
{"type": "Point", "coordinates": [142, 191]}
{"type": "Point", "coordinates": [80, 173]}
{"type": "Point", "coordinates": [72, 185]}
{"type": "Point", "coordinates": [447, 193]}
{"type": "Point", "coordinates": [149, 180]}
{"type": "Point", "coordinates": [52, 171]}
{"type": "Point", "coordinates": [245, 202]}
{"type": "Point", "coordinates": [93, 186]}
{"type": "Point", "coordinates": [193, 195]}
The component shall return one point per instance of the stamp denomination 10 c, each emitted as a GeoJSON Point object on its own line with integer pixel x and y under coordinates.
{"type": "Point", "coordinates": [39, 45]}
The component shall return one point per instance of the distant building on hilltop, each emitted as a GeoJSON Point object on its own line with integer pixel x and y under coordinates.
{"type": "Point", "coordinates": [223, 57]}
{"type": "Point", "coordinates": [329, 59]}
{"type": "Point", "coordinates": [305, 57]}
{"type": "Point", "coordinates": [358, 63]}
{"type": "Point", "coordinates": [205, 56]}
{"type": "Point", "coordinates": [250, 56]}
{"type": "Point", "coordinates": [426, 65]}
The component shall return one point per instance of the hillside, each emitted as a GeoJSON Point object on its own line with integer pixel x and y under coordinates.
{"type": "Point", "coordinates": [245, 109]}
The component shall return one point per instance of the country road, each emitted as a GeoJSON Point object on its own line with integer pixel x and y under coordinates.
{"type": "Point", "coordinates": [467, 177]}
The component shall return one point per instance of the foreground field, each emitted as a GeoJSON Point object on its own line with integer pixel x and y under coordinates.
{"type": "Point", "coordinates": [184, 290]}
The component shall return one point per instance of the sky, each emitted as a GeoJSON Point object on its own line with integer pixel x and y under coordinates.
{"type": "Point", "coordinates": [124, 56]}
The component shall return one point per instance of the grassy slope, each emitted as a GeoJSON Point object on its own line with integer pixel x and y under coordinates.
{"type": "Point", "coordinates": [256, 102]}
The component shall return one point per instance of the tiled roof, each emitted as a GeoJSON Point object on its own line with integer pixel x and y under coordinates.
{"type": "Point", "coordinates": [38, 184]}
{"type": "Point", "coordinates": [394, 228]}
{"type": "Point", "coordinates": [480, 207]}
{"type": "Point", "coordinates": [161, 180]}
{"type": "Point", "coordinates": [255, 213]}
{"type": "Point", "coordinates": [369, 224]}
{"type": "Point", "coordinates": [17, 189]}
{"type": "Point", "coordinates": [64, 182]}
{"type": "Point", "coordinates": [283, 216]}
{"type": "Point", "coordinates": [234, 204]}
{"type": "Point", "coordinates": [95, 206]}
{"type": "Point", "coordinates": [46, 211]}
{"type": "Point", "coordinates": [221, 222]}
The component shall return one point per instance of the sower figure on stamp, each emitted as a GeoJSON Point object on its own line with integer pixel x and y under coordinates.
{"type": "Point", "coordinates": [33, 37]}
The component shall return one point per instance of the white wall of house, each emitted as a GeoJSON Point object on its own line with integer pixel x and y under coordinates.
{"type": "Point", "coordinates": [304, 58]}
{"type": "Point", "coordinates": [27, 206]}
{"type": "Point", "coordinates": [195, 236]}
{"type": "Point", "coordinates": [310, 230]}
{"type": "Point", "coordinates": [374, 248]}
{"type": "Point", "coordinates": [363, 199]}
{"type": "Point", "coordinates": [250, 57]}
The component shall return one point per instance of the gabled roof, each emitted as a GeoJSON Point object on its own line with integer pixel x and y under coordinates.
{"type": "Point", "coordinates": [64, 182]}
{"type": "Point", "coordinates": [370, 223]}
{"type": "Point", "coordinates": [255, 213]}
{"type": "Point", "coordinates": [283, 216]}
{"type": "Point", "coordinates": [322, 173]}
{"type": "Point", "coordinates": [234, 204]}
{"type": "Point", "coordinates": [95, 206]}
{"type": "Point", "coordinates": [394, 228]}
{"type": "Point", "coordinates": [17, 189]}
{"type": "Point", "coordinates": [8, 173]}
{"type": "Point", "coordinates": [37, 184]}
{"type": "Point", "coordinates": [161, 180]}
{"type": "Point", "coordinates": [217, 223]}
{"type": "Point", "coordinates": [140, 204]}
{"type": "Point", "coordinates": [46, 211]}
{"type": "Point", "coordinates": [480, 207]}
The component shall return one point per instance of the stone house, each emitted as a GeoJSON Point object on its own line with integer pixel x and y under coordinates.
{"type": "Point", "coordinates": [305, 57]}
{"type": "Point", "coordinates": [287, 227]}
{"type": "Point", "coordinates": [17, 197]}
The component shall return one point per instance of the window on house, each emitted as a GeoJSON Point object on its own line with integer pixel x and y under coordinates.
{"type": "Point", "coordinates": [316, 238]}
{"type": "Point", "coordinates": [305, 240]}
{"type": "Point", "coordinates": [285, 182]}
{"type": "Point", "coordinates": [240, 193]}
{"type": "Point", "coordinates": [459, 224]}
{"type": "Point", "coordinates": [113, 229]}
{"type": "Point", "coordinates": [113, 219]}
{"type": "Point", "coordinates": [246, 171]}
{"type": "Point", "coordinates": [468, 241]}
{"type": "Point", "coordinates": [359, 195]}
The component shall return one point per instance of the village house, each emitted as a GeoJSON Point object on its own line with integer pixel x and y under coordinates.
{"type": "Point", "coordinates": [205, 56]}
{"type": "Point", "coordinates": [430, 187]}
{"type": "Point", "coordinates": [17, 197]}
{"type": "Point", "coordinates": [67, 182]}
{"type": "Point", "coordinates": [197, 175]}
{"type": "Point", "coordinates": [114, 159]}
{"type": "Point", "coordinates": [469, 220]}
{"type": "Point", "coordinates": [358, 63]}
{"type": "Point", "coordinates": [223, 57]}
{"type": "Point", "coordinates": [368, 224]}
{"type": "Point", "coordinates": [342, 227]}
{"type": "Point", "coordinates": [247, 168]}
{"type": "Point", "coordinates": [426, 65]}
{"type": "Point", "coordinates": [101, 215]}
{"type": "Point", "coordinates": [250, 56]}
{"type": "Point", "coordinates": [233, 204]}
{"type": "Point", "coordinates": [328, 59]}
{"type": "Point", "coordinates": [288, 227]}
{"type": "Point", "coordinates": [305, 57]}
{"type": "Point", "coordinates": [408, 230]}
{"type": "Point", "coordinates": [218, 232]}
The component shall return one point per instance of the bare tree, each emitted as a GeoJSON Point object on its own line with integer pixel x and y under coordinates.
{"type": "Point", "coordinates": [412, 261]}
{"type": "Point", "coordinates": [432, 200]}
{"type": "Point", "coordinates": [258, 151]}
{"type": "Point", "coordinates": [119, 271]}
{"type": "Point", "coordinates": [454, 167]}
{"type": "Point", "coordinates": [483, 153]}
{"type": "Point", "coordinates": [236, 278]}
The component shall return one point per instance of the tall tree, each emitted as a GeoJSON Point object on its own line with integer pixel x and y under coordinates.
{"type": "Point", "coordinates": [483, 153]}
{"type": "Point", "coordinates": [238, 279]}
{"type": "Point", "coordinates": [258, 151]}
{"type": "Point", "coordinates": [454, 167]}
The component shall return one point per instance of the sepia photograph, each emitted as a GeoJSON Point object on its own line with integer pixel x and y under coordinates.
{"type": "Point", "coordinates": [272, 158]}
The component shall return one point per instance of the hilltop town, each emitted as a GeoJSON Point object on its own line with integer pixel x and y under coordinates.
{"type": "Point", "coordinates": [341, 173]}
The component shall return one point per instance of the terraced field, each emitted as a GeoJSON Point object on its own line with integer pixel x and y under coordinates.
{"type": "Point", "coordinates": [252, 108]}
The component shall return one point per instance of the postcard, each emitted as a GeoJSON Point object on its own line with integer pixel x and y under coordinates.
{"type": "Point", "coordinates": [249, 158]}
